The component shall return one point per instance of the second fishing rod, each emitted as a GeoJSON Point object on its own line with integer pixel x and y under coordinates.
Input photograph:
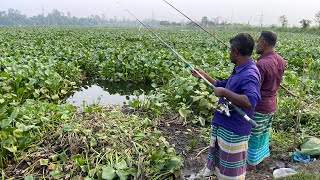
{"type": "Point", "coordinates": [287, 90]}
{"type": "Point", "coordinates": [228, 102]}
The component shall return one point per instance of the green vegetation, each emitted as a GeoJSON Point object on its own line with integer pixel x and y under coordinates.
{"type": "Point", "coordinates": [303, 175]}
{"type": "Point", "coordinates": [42, 137]}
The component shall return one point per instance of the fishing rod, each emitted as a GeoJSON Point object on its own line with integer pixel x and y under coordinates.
{"type": "Point", "coordinates": [223, 109]}
{"type": "Point", "coordinates": [288, 91]}
{"type": "Point", "coordinates": [197, 24]}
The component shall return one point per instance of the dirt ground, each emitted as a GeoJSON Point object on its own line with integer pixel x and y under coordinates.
{"type": "Point", "coordinates": [180, 135]}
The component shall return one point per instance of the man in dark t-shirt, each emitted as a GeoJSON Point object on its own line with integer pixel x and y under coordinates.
{"type": "Point", "coordinates": [271, 67]}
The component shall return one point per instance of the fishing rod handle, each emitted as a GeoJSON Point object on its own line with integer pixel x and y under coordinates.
{"type": "Point", "coordinates": [242, 113]}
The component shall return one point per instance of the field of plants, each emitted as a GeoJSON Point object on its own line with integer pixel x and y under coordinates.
{"type": "Point", "coordinates": [44, 137]}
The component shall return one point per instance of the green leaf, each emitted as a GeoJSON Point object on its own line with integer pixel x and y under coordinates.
{"type": "Point", "coordinates": [180, 91]}
{"type": "Point", "coordinates": [139, 136]}
{"type": "Point", "coordinates": [56, 174]}
{"type": "Point", "coordinates": [18, 133]}
{"type": "Point", "coordinates": [78, 159]}
{"type": "Point", "coordinates": [157, 155]}
{"type": "Point", "coordinates": [64, 117]}
{"type": "Point", "coordinates": [54, 157]}
{"type": "Point", "coordinates": [63, 157]}
{"type": "Point", "coordinates": [122, 165]}
{"type": "Point", "coordinates": [55, 97]}
{"type": "Point", "coordinates": [64, 91]}
{"type": "Point", "coordinates": [93, 142]}
{"type": "Point", "coordinates": [32, 81]}
{"type": "Point", "coordinates": [14, 103]}
{"type": "Point", "coordinates": [175, 162]}
{"type": "Point", "coordinates": [30, 177]}
{"type": "Point", "coordinates": [197, 98]}
{"type": "Point", "coordinates": [108, 173]}
{"type": "Point", "coordinates": [68, 127]}
{"type": "Point", "coordinates": [92, 172]}
{"type": "Point", "coordinates": [184, 112]}
{"type": "Point", "coordinates": [14, 114]}
{"type": "Point", "coordinates": [84, 168]}
{"type": "Point", "coordinates": [192, 143]}
{"type": "Point", "coordinates": [44, 162]}
{"type": "Point", "coordinates": [20, 90]}
{"type": "Point", "coordinates": [202, 121]}
{"type": "Point", "coordinates": [12, 149]}
{"type": "Point", "coordinates": [189, 88]}
{"type": "Point", "coordinates": [3, 111]}
{"type": "Point", "coordinates": [123, 175]}
{"type": "Point", "coordinates": [23, 127]}
{"type": "Point", "coordinates": [205, 93]}
{"type": "Point", "coordinates": [2, 101]}
{"type": "Point", "coordinates": [5, 122]}
{"type": "Point", "coordinates": [134, 104]}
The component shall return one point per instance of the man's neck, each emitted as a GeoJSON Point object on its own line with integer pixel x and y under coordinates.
{"type": "Point", "coordinates": [267, 50]}
{"type": "Point", "coordinates": [242, 60]}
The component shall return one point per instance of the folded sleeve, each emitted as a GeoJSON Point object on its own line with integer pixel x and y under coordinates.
{"type": "Point", "coordinates": [251, 88]}
{"type": "Point", "coordinates": [222, 83]}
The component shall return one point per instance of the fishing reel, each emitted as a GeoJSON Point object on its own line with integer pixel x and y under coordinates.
{"type": "Point", "coordinates": [224, 108]}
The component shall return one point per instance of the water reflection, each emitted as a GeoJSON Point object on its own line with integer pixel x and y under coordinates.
{"type": "Point", "coordinates": [107, 93]}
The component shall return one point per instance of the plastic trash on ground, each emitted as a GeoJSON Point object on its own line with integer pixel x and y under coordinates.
{"type": "Point", "coordinates": [284, 165]}
{"type": "Point", "coordinates": [311, 146]}
{"type": "Point", "coordinates": [298, 157]}
{"type": "Point", "coordinates": [283, 172]}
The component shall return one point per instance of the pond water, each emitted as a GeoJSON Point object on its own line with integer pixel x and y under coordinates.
{"type": "Point", "coordinates": [106, 93]}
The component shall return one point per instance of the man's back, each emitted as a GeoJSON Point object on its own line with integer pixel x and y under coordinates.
{"type": "Point", "coordinates": [271, 67]}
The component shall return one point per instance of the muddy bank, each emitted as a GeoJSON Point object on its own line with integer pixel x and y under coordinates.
{"type": "Point", "coordinates": [182, 137]}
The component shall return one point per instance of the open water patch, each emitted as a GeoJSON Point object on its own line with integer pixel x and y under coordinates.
{"type": "Point", "coordinates": [105, 93]}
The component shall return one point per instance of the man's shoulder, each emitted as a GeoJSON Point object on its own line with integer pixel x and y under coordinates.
{"type": "Point", "coordinates": [279, 57]}
{"type": "Point", "coordinates": [252, 71]}
{"type": "Point", "coordinates": [270, 60]}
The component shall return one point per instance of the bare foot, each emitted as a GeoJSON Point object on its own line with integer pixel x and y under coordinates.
{"type": "Point", "coordinates": [262, 165]}
{"type": "Point", "coordinates": [251, 168]}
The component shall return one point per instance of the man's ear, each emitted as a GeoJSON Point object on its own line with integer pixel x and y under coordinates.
{"type": "Point", "coordinates": [265, 43]}
{"type": "Point", "coordinates": [236, 53]}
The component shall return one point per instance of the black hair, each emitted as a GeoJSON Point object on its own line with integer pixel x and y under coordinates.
{"type": "Point", "coordinates": [243, 43]}
{"type": "Point", "coordinates": [270, 37]}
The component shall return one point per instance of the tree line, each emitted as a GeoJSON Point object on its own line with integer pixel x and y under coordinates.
{"type": "Point", "coordinates": [13, 17]}
{"type": "Point", "coordinates": [305, 23]}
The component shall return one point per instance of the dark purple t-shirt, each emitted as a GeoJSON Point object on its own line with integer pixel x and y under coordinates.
{"type": "Point", "coordinates": [271, 67]}
{"type": "Point", "coordinates": [245, 79]}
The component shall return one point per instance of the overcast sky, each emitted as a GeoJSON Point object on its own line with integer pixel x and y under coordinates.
{"type": "Point", "coordinates": [242, 11]}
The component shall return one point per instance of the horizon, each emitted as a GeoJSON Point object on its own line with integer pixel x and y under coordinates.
{"type": "Point", "coordinates": [251, 12]}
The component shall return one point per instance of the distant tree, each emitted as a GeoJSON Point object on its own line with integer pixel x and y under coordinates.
{"type": "Point", "coordinates": [317, 19]}
{"type": "Point", "coordinates": [175, 24]}
{"type": "Point", "coordinates": [164, 23]}
{"type": "Point", "coordinates": [16, 18]}
{"type": "Point", "coordinates": [205, 21]}
{"type": "Point", "coordinates": [13, 17]}
{"type": "Point", "coordinates": [283, 20]}
{"type": "Point", "coordinates": [305, 23]}
{"type": "Point", "coordinates": [191, 24]}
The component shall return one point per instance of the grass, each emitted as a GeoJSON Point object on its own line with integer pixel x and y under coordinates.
{"type": "Point", "coordinates": [303, 175]}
